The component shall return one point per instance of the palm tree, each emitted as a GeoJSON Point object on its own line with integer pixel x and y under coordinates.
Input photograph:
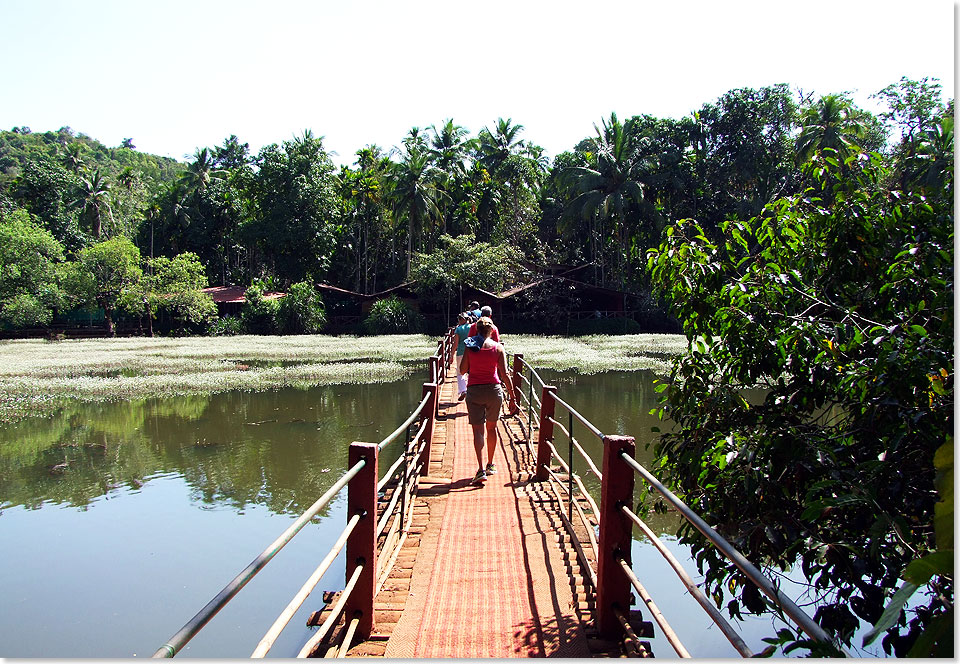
{"type": "Point", "coordinates": [833, 122]}
{"type": "Point", "coordinates": [496, 147]}
{"type": "Point", "coordinates": [512, 164]}
{"type": "Point", "coordinates": [74, 157]}
{"type": "Point", "coordinates": [128, 177]}
{"type": "Point", "coordinates": [449, 148]}
{"type": "Point", "coordinates": [449, 151]}
{"type": "Point", "coordinates": [415, 195]}
{"type": "Point", "coordinates": [94, 201]}
{"type": "Point", "coordinates": [201, 173]}
{"type": "Point", "coordinates": [930, 167]}
{"type": "Point", "coordinates": [610, 190]}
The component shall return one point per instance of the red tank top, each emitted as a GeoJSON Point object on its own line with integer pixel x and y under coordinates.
{"type": "Point", "coordinates": [483, 366]}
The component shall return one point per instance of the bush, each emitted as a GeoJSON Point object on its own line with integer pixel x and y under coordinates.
{"type": "Point", "coordinates": [25, 310]}
{"type": "Point", "coordinates": [392, 315]}
{"type": "Point", "coordinates": [228, 326]}
{"type": "Point", "coordinates": [301, 311]}
{"type": "Point", "coordinates": [259, 316]}
{"type": "Point", "coordinates": [604, 326]}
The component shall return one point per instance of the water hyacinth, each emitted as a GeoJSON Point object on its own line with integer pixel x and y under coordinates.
{"type": "Point", "coordinates": [596, 353]}
{"type": "Point", "coordinates": [37, 376]}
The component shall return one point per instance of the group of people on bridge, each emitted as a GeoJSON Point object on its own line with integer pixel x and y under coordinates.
{"type": "Point", "coordinates": [481, 364]}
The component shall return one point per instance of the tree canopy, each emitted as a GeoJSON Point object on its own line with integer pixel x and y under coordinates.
{"type": "Point", "coordinates": [838, 303]}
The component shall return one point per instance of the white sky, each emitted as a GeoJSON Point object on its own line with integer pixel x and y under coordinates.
{"type": "Point", "coordinates": [177, 75]}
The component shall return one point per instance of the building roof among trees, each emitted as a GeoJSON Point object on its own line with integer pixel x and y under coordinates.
{"type": "Point", "coordinates": [236, 294]}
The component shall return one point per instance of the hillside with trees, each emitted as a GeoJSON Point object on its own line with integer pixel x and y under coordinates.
{"type": "Point", "coordinates": [288, 215]}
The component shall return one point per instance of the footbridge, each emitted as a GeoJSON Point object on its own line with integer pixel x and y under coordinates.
{"type": "Point", "coordinates": [529, 564]}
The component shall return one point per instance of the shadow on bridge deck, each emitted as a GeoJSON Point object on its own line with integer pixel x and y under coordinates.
{"type": "Point", "coordinates": [485, 571]}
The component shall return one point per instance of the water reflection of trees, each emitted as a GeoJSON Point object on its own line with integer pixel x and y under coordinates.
{"type": "Point", "coordinates": [280, 449]}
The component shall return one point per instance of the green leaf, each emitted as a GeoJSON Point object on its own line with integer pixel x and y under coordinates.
{"type": "Point", "coordinates": [891, 614]}
{"type": "Point", "coordinates": [932, 635]}
{"type": "Point", "coordinates": [921, 571]}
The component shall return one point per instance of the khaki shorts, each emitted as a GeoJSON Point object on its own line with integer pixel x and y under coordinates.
{"type": "Point", "coordinates": [484, 403]}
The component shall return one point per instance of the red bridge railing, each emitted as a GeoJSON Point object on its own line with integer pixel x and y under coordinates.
{"type": "Point", "coordinates": [378, 519]}
{"type": "Point", "coordinates": [609, 531]}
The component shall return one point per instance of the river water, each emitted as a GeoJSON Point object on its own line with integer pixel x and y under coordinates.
{"type": "Point", "coordinates": [120, 521]}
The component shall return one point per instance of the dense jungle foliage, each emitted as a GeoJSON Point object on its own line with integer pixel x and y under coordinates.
{"type": "Point", "coordinates": [287, 214]}
{"type": "Point", "coordinates": [804, 244]}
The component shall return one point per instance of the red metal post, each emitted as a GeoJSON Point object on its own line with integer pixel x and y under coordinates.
{"type": "Point", "coordinates": [434, 370]}
{"type": "Point", "coordinates": [613, 587]}
{"type": "Point", "coordinates": [431, 413]}
{"type": "Point", "coordinates": [362, 543]}
{"type": "Point", "coordinates": [547, 407]}
{"type": "Point", "coordinates": [441, 362]}
{"type": "Point", "coordinates": [515, 379]}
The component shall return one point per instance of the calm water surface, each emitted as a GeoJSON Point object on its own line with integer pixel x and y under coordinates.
{"type": "Point", "coordinates": [121, 521]}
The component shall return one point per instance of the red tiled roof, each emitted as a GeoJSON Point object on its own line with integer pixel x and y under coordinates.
{"type": "Point", "coordinates": [235, 294]}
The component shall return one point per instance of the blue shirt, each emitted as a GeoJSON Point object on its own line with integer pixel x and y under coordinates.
{"type": "Point", "coordinates": [463, 331]}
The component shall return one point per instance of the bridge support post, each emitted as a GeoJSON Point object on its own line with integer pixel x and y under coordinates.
{"type": "Point", "coordinates": [613, 587]}
{"type": "Point", "coordinates": [431, 414]}
{"type": "Point", "coordinates": [515, 379]}
{"type": "Point", "coordinates": [547, 408]}
{"type": "Point", "coordinates": [434, 369]}
{"type": "Point", "coordinates": [362, 542]}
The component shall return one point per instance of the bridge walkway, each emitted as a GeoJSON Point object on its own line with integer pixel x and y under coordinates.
{"type": "Point", "coordinates": [485, 571]}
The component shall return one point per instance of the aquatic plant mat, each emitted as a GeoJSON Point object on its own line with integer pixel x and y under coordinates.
{"type": "Point", "coordinates": [38, 376]}
{"type": "Point", "coordinates": [492, 576]}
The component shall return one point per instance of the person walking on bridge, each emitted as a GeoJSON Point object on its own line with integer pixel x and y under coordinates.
{"type": "Point", "coordinates": [486, 363]}
{"type": "Point", "coordinates": [463, 331]}
{"type": "Point", "coordinates": [474, 310]}
{"type": "Point", "coordinates": [485, 310]}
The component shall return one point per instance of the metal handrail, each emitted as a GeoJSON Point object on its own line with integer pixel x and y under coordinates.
{"type": "Point", "coordinates": [692, 587]}
{"type": "Point", "coordinates": [195, 624]}
{"type": "Point", "coordinates": [655, 613]}
{"type": "Point", "coordinates": [334, 614]}
{"type": "Point", "coordinates": [629, 631]}
{"type": "Point", "coordinates": [573, 411]}
{"type": "Point", "coordinates": [533, 372]}
{"type": "Point", "coordinates": [400, 429]}
{"type": "Point", "coordinates": [266, 643]}
{"type": "Point", "coordinates": [568, 526]}
{"type": "Point", "coordinates": [189, 630]}
{"type": "Point", "coordinates": [586, 457]}
{"type": "Point", "coordinates": [391, 471]}
{"type": "Point", "coordinates": [805, 622]}
{"type": "Point", "coordinates": [348, 636]}
{"type": "Point", "coordinates": [556, 454]}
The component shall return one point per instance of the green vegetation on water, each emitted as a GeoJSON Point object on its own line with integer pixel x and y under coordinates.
{"type": "Point", "coordinates": [37, 377]}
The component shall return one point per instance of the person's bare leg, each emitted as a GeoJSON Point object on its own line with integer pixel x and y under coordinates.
{"type": "Point", "coordinates": [478, 443]}
{"type": "Point", "coordinates": [491, 439]}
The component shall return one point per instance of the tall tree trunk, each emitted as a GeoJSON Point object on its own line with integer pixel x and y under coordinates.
{"type": "Point", "coordinates": [109, 318]}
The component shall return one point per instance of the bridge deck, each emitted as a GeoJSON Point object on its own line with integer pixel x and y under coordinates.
{"type": "Point", "coordinates": [486, 571]}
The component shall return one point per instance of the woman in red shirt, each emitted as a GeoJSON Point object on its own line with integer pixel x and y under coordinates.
{"type": "Point", "coordinates": [486, 363]}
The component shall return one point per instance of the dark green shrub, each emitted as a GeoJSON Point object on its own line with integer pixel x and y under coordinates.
{"type": "Point", "coordinates": [392, 315]}
{"type": "Point", "coordinates": [301, 311]}
{"type": "Point", "coordinates": [25, 310]}
{"type": "Point", "coordinates": [259, 316]}
{"type": "Point", "coordinates": [228, 326]}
